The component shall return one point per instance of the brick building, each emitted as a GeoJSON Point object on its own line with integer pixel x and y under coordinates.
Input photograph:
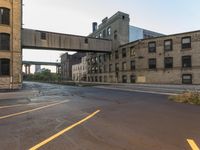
{"type": "Point", "coordinates": [67, 61]}
{"type": "Point", "coordinates": [10, 44]}
{"type": "Point", "coordinates": [153, 58]}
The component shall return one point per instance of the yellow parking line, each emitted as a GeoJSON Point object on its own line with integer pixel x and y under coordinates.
{"type": "Point", "coordinates": [10, 106]}
{"type": "Point", "coordinates": [18, 105]}
{"type": "Point", "coordinates": [31, 110]}
{"type": "Point", "coordinates": [193, 144]}
{"type": "Point", "coordinates": [63, 131]}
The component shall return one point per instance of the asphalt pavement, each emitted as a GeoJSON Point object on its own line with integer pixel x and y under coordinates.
{"type": "Point", "coordinates": [57, 117]}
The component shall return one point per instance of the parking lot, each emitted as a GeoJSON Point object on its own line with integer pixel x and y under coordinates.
{"type": "Point", "coordinates": [51, 117]}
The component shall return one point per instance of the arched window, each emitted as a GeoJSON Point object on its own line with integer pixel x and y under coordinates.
{"type": "Point", "coordinates": [4, 16]}
{"type": "Point", "coordinates": [4, 67]}
{"type": "Point", "coordinates": [4, 41]}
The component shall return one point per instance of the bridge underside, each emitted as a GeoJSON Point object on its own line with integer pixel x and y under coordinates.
{"type": "Point", "coordinates": [35, 39]}
{"type": "Point", "coordinates": [41, 63]}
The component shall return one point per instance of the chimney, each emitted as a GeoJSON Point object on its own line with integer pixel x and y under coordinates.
{"type": "Point", "coordinates": [94, 26]}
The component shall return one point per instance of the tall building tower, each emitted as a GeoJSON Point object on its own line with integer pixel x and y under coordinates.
{"type": "Point", "coordinates": [10, 44]}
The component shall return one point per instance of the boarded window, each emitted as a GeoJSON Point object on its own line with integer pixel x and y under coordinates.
{"type": "Point", "coordinates": [187, 79]}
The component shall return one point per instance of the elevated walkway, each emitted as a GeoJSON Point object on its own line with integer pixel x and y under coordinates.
{"type": "Point", "coordinates": [35, 39]}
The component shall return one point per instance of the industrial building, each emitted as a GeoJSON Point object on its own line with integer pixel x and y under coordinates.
{"type": "Point", "coordinates": [143, 56]}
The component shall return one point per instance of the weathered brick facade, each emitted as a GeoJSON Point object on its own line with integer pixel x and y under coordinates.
{"type": "Point", "coordinates": [14, 79]}
{"type": "Point", "coordinates": [116, 66]}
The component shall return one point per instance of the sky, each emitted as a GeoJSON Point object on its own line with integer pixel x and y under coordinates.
{"type": "Point", "coordinates": [76, 17]}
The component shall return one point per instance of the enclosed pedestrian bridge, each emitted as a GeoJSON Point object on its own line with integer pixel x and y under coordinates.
{"type": "Point", "coordinates": [35, 39]}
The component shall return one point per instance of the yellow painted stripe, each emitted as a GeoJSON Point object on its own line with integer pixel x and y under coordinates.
{"type": "Point", "coordinates": [10, 106]}
{"type": "Point", "coordinates": [18, 105]}
{"type": "Point", "coordinates": [63, 131]}
{"type": "Point", "coordinates": [193, 144]}
{"type": "Point", "coordinates": [31, 110]}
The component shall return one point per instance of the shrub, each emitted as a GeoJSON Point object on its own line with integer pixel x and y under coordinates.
{"type": "Point", "coordinates": [190, 97]}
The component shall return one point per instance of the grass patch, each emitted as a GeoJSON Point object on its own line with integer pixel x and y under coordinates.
{"type": "Point", "coordinates": [189, 97]}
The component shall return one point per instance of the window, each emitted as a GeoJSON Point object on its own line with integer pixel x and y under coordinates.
{"type": "Point", "coordinates": [123, 52]}
{"type": "Point", "coordinates": [100, 35]}
{"type": "Point", "coordinates": [187, 79]}
{"type": "Point", "coordinates": [104, 68]}
{"type": "Point", "coordinates": [110, 68]}
{"type": "Point", "coordinates": [116, 55]}
{"type": "Point", "coordinates": [115, 34]}
{"type": "Point", "coordinates": [152, 63]}
{"type": "Point", "coordinates": [124, 66]}
{"type": "Point", "coordinates": [132, 51]}
{"type": "Point", "coordinates": [132, 78]}
{"type": "Point", "coordinates": [105, 78]}
{"type": "Point", "coordinates": [169, 62]}
{"type": "Point", "coordinates": [124, 79]}
{"type": "Point", "coordinates": [4, 41]}
{"type": "Point", "coordinates": [109, 31]}
{"type": "Point", "coordinates": [96, 79]}
{"type": "Point", "coordinates": [168, 45]}
{"type": "Point", "coordinates": [4, 67]}
{"type": "Point", "coordinates": [133, 65]}
{"type": "Point", "coordinates": [100, 79]}
{"type": "Point", "coordinates": [104, 33]}
{"type": "Point", "coordinates": [86, 40]}
{"type": "Point", "coordinates": [4, 16]}
{"type": "Point", "coordinates": [43, 36]}
{"type": "Point", "coordinates": [110, 56]}
{"type": "Point", "coordinates": [152, 47]}
{"type": "Point", "coordinates": [186, 61]}
{"type": "Point", "coordinates": [96, 69]}
{"type": "Point", "coordinates": [116, 67]}
{"type": "Point", "coordinates": [104, 57]}
{"type": "Point", "coordinates": [100, 59]}
{"type": "Point", "coordinates": [186, 42]}
{"type": "Point", "coordinates": [100, 69]}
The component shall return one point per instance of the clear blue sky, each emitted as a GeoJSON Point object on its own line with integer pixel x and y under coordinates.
{"type": "Point", "coordinates": [76, 17]}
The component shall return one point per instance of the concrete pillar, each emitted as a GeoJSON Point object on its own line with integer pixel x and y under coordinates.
{"type": "Point", "coordinates": [26, 71]}
{"type": "Point", "coordinates": [29, 69]}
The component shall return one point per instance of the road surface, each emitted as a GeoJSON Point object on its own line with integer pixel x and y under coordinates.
{"type": "Point", "coordinates": [57, 117]}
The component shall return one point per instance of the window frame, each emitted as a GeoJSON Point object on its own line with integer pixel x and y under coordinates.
{"type": "Point", "coordinates": [132, 67]}
{"type": "Point", "coordinates": [124, 52]}
{"type": "Point", "coordinates": [2, 69]}
{"type": "Point", "coordinates": [4, 16]}
{"type": "Point", "coordinates": [124, 66]}
{"type": "Point", "coordinates": [150, 65]}
{"type": "Point", "coordinates": [167, 65]}
{"type": "Point", "coordinates": [5, 39]}
{"type": "Point", "coordinates": [185, 81]}
{"type": "Point", "coordinates": [186, 45]}
{"type": "Point", "coordinates": [184, 59]}
{"type": "Point", "coordinates": [152, 49]}
{"type": "Point", "coordinates": [171, 45]}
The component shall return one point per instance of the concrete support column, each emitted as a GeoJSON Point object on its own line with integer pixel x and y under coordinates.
{"type": "Point", "coordinates": [29, 69]}
{"type": "Point", "coordinates": [26, 69]}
